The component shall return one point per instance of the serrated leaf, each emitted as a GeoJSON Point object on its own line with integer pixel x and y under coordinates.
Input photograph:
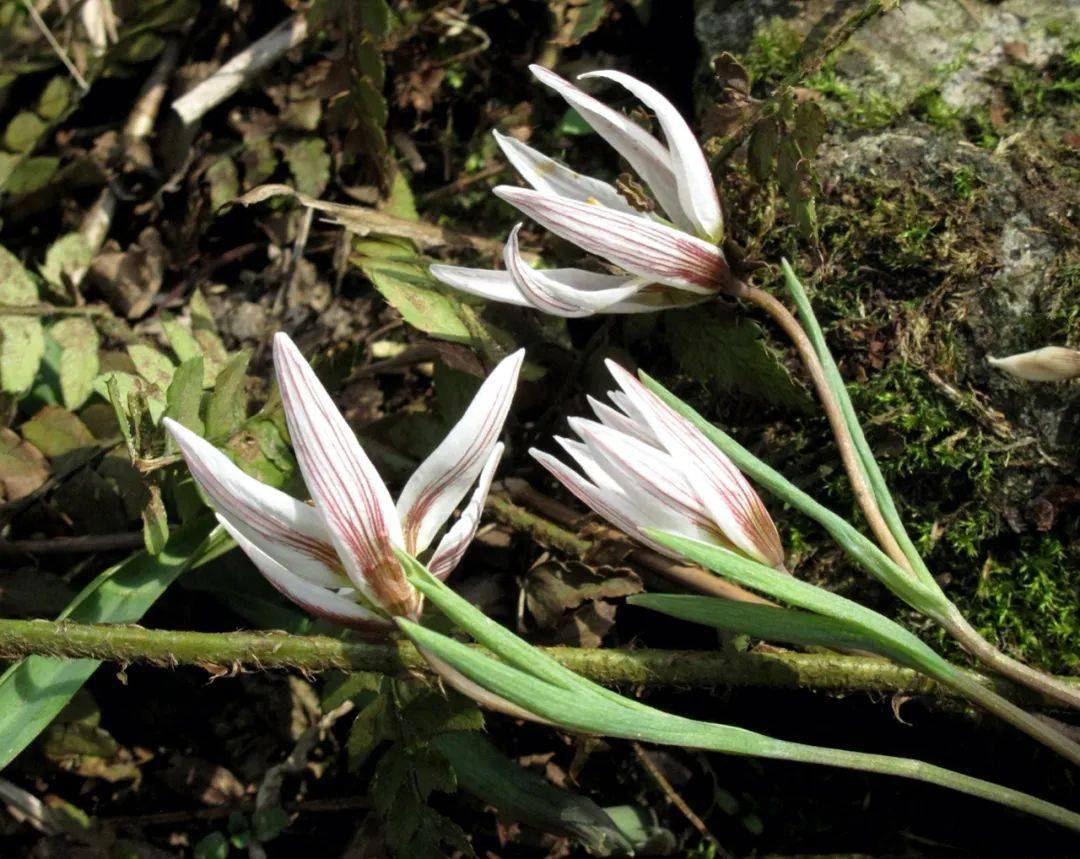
{"type": "Point", "coordinates": [79, 363]}
{"type": "Point", "coordinates": [22, 338]}
{"type": "Point", "coordinates": [411, 291]}
{"type": "Point", "coordinates": [154, 367]}
{"type": "Point", "coordinates": [188, 344]}
{"type": "Point", "coordinates": [309, 163]}
{"type": "Point", "coordinates": [400, 202]}
{"type": "Point", "coordinates": [22, 346]}
{"type": "Point", "coordinates": [433, 713]}
{"type": "Point", "coordinates": [367, 731]}
{"type": "Point", "coordinates": [227, 407]}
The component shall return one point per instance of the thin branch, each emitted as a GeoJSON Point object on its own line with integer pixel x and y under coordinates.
{"type": "Point", "coordinates": [86, 543]}
{"type": "Point", "coordinates": [263, 52]}
{"type": "Point", "coordinates": [58, 49]}
{"type": "Point", "coordinates": [675, 799]}
{"type": "Point", "coordinates": [233, 652]}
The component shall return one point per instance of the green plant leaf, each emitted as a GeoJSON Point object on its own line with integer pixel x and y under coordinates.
{"type": "Point", "coordinates": [228, 403]}
{"type": "Point", "coordinates": [410, 289]}
{"type": "Point", "coordinates": [154, 367]}
{"type": "Point", "coordinates": [890, 637]}
{"type": "Point", "coordinates": [79, 363]}
{"type": "Point", "coordinates": [35, 689]}
{"type": "Point", "coordinates": [22, 338]}
{"type": "Point", "coordinates": [769, 623]}
{"type": "Point", "coordinates": [23, 132]}
{"type": "Point", "coordinates": [866, 456]}
{"type": "Point", "coordinates": [66, 256]}
{"type": "Point", "coordinates": [184, 396]}
{"type": "Point", "coordinates": [521, 795]}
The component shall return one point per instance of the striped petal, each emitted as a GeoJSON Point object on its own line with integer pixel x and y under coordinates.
{"type": "Point", "coordinates": [347, 489]}
{"type": "Point", "coordinates": [614, 505]}
{"type": "Point", "coordinates": [618, 421]}
{"type": "Point", "coordinates": [483, 282]}
{"type": "Point", "coordinates": [696, 188]}
{"type": "Point", "coordinates": [444, 478]}
{"type": "Point", "coordinates": [289, 531]}
{"type": "Point", "coordinates": [553, 177]}
{"type": "Point", "coordinates": [456, 540]}
{"type": "Point", "coordinates": [574, 293]}
{"type": "Point", "coordinates": [647, 155]}
{"type": "Point", "coordinates": [314, 599]}
{"type": "Point", "coordinates": [731, 501]}
{"type": "Point", "coordinates": [645, 248]}
{"type": "Point", "coordinates": [639, 467]}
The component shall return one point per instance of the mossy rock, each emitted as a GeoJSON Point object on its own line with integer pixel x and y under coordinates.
{"type": "Point", "coordinates": [945, 234]}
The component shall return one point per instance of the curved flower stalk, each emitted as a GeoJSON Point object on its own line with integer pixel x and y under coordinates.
{"type": "Point", "coordinates": [336, 558]}
{"type": "Point", "coordinates": [646, 466]}
{"type": "Point", "coordinates": [665, 262]}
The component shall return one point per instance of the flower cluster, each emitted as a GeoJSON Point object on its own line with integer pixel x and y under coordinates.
{"type": "Point", "coordinates": [644, 465]}
{"type": "Point", "coordinates": [664, 262]}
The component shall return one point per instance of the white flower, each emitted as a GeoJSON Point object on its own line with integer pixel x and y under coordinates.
{"type": "Point", "coordinates": [645, 466]}
{"type": "Point", "coordinates": [336, 558]}
{"type": "Point", "coordinates": [665, 265]}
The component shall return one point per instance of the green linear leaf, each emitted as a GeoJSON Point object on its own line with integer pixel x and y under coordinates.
{"type": "Point", "coordinates": [521, 795]}
{"type": "Point", "coordinates": [866, 456]}
{"type": "Point", "coordinates": [770, 623]}
{"type": "Point", "coordinates": [35, 689]}
{"type": "Point", "coordinates": [892, 638]}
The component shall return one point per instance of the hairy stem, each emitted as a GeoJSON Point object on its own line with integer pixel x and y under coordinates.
{"type": "Point", "coordinates": [649, 668]}
{"type": "Point", "coordinates": [864, 495]}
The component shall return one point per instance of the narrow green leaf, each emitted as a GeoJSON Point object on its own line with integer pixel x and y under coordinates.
{"type": "Point", "coordinates": [892, 638]}
{"type": "Point", "coordinates": [585, 712]}
{"type": "Point", "coordinates": [497, 638]}
{"type": "Point", "coordinates": [769, 623]}
{"type": "Point", "coordinates": [35, 689]}
{"type": "Point", "coordinates": [521, 795]}
{"type": "Point", "coordinates": [866, 456]}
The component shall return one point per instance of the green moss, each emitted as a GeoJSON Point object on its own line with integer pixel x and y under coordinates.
{"type": "Point", "coordinates": [772, 53]}
{"type": "Point", "coordinates": [1025, 600]}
